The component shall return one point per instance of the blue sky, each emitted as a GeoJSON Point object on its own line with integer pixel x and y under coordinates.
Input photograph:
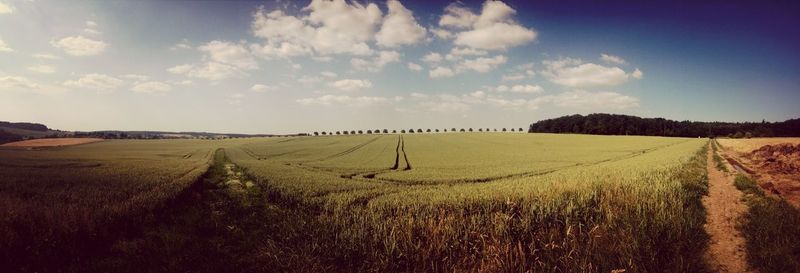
{"type": "Point", "coordinates": [292, 66]}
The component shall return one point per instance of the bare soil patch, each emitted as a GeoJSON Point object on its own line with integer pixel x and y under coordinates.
{"type": "Point", "coordinates": [51, 142]}
{"type": "Point", "coordinates": [724, 207]}
{"type": "Point", "coordinates": [777, 170]}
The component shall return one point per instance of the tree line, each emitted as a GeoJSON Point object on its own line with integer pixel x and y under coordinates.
{"type": "Point", "coordinates": [412, 130]}
{"type": "Point", "coordinates": [611, 124]}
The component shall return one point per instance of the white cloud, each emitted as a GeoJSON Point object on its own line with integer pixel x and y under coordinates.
{"type": "Point", "coordinates": [513, 77]}
{"type": "Point", "coordinates": [184, 44]}
{"type": "Point", "coordinates": [521, 88]}
{"type": "Point", "coordinates": [307, 80]}
{"type": "Point", "coordinates": [92, 31]}
{"type": "Point", "coordinates": [6, 9]}
{"type": "Point", "coordinates": [377, 63]}
{"type": "Point", "coordinates": [574, 73]}
{"type": "Point", "coordinates": [592, 100]}
{"type": "Point", "coordinates": [493, 29]}
{"type": "Point", "coordinates": [350, 85]}
{"type": "Point", "coordinates": [223, 60]}
{"type": "Point", "coordinates": [457, 53]}
{"type": "Point", "coordinates": [432, 58]}
{"type": "Point", "coordinates": [230, 53]}
{"type": "Point", "coordinates": [414, 67]}
{"type": "Point", "coordinates": [4, 47]}
{"type": "Point", "coordinates": [151, 87]}
{"type": "Point", "coordinates": [91, 24]}
{"type": "Point", "coordinates": [399, 27]}
{"type": "Point", "coordinates": [46, 56]}
{"type": "Point", "coordinates": [331, 27]}
{"type": "Point", "coordinates": [80, 46]}
{"type": "Point", "coordinates": [637, 74]}
{"type": "Point", "coordinates": [328, 74]}
{"type": "Point", "coordinates": [282, 50]}
{"type": "Point", "coordinates": [457, 16]}
{"type": "Point", "coordinates": [261, 88]}
{"type": "Point", "coordinates": [44, 69]}
{"type": "Point", "coordinates": [22, 84]}
{"type": "Point", "coordinates": [136, 77]}
{"type": "Point", "coordinates": [442, 33]}
{"type": "Point", "coordinates": [329, 100]}
{"type": "Point", "coordinates": [482, 64]}
{"type": "Point", "coordinates": [611, 59]}
{"type": "Point", "coordinates": [98, 82]}
{"type": "Point", "coordinates": [441, 72]}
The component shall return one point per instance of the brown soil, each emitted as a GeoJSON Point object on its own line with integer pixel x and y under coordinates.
{"type": "Point", "coordinates": [50, 142]}
{"type": "Point", "coordinates": [777, 170]}
{"type": "Point", "coordinates": [726, 252]}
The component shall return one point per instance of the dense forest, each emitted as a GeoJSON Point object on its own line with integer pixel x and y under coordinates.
{"type": "Point", "coordinates": [610, 124]}
{"type": "Point", "coordinates": [24, 126]}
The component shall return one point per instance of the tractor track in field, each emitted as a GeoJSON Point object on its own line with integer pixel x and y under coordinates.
{"type": "Point", "coordinates": [529, 174]}
{"type": "Point", "coordinates": [348, 151]}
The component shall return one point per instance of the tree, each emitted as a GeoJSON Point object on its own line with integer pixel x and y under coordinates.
{"type": "Point", "coordinates": [437, 130]}
{"type": "Point", "coordinates": [345, 132]}
{"type": "Point", "coordinates": [385, 131]}
{"type": "Point", "coordinates": [360, 132]}
{"type": "Point", "coordinates": [352, 132]}
{"type": "Point", "coordinates": [512, 129]}
{"type": "Point", "coordinates": [452, 129]}
{"type": "Point", "coordinates": [480, 129]}
{"type": "Point", "coordinates": [369, 131]}
{"type": "Point", "coordinates": [504, 129]}
{"type": "Point", "coordinates": [445, 130]}
{"type": "Point", "coordinates": [470, 129]}
{"type": "Point", "coordinates": [324, 133]}
{"type": "Point", "coordinates": [419, 130]}
{"type": "Point", "coordinates": [462, 130]}
{"type": "Point", "coordinates": [316, 133]}
{"type": "Point", "coordinates": [520, 129]}
{"type": "Point", "coordinates": [394, 131]}
{"type": "Point", "coordinates": [338, 133]}
{"type": "Point", "coordinates": [403, 131]}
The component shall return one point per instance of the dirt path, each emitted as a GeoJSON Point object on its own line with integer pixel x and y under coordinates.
{"type": "Point", "coordinates": [726, 252]}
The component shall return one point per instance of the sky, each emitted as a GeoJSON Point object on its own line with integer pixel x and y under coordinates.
{"type": "Point", "coordinates": [304, 66]}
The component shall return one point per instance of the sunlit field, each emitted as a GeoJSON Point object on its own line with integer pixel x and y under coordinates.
{"type": "Point", "coordinates": [448, 202]}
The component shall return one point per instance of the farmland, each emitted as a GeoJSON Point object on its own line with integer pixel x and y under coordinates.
{"type": "Point", "coordinates": [424, 202]}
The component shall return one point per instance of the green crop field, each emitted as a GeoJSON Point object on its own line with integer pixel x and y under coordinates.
{"type": "Point", "coordinates": [452, 202]}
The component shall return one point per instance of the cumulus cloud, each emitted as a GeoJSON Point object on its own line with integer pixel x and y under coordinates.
{"type": "Point", "coordinates": [329, 100]}
{"type": "Point", "coordinates": [6, 9]}
{"type": "Point", "coordinates": [399, 27]}
{"type": "Point", "coordinates": [520, 88]}
{"type": "Point", "coordinates": [592, 100]}
{"type": "Point", "coordinates": [377, 63]}
{"type": "Point", "coordinates": [80, 46]}
{"type": "Point", "coordinates": [432, 58]}
{"type": "Point", "coordinates": [442, 33]}
{"type": "Point", "coordinates": [637, 74]}
{"type": "Point", "coordinates": [23, 84]}
{"type": "Point", "coordinates": [4, 47]}
{"type": "Point", "coordinates": [331, 27]}
{"type": "Point", "coordinates": [97, 82]}
{"type": "Point", "coordinates": [44, 69]}
{"type": "Point", "coordinates": [574, 73]}
{"type": "Point", "coordinates": [151, 87]}
{"type": "Point", "coordinates": [414, 67]}
{"type": "Point", "coordinates": [261, 88]}
{"type": "Point", "coordinates": [457, 53]}
{"type": "Point", "coordinates": [350, 85]}
{"type": "Point", "coordinates": [328, 74]}
{"type": "Point", "coordinates": [493, 29]}
{"type": "Point", "coordinates": [43, 56]}
{"type": "Point", "coordinates": [223, 60]}
{"type": "Point", "coordinates": [611, 59]}
{"type": "Point", "coordinates": [482, 64]}
{"type": "Point", "coordinates": [441, 72]}
{"type": "Point", "coordinates": [136, 77]}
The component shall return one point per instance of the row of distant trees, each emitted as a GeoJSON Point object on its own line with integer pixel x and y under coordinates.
{"type": "Point", "coordinates": [610, 124]}
{"type": "Point", "coordinates": [411, 131]}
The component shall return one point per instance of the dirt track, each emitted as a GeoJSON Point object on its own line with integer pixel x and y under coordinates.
{"type": "Point", "coordinates": [726, 252]}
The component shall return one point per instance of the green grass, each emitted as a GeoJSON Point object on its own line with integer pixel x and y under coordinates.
{"type": "Point", "coordinates": [772, 230]}
{"type": "Point", "coordinates": [718, 160]}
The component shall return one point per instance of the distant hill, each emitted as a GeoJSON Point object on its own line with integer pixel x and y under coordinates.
{"type": "Point", "coordinates": [24, 125]}
{"type": "Point", "coordinates": [16, 131]}
{"type": "Point", "coordinates": [611, 124]}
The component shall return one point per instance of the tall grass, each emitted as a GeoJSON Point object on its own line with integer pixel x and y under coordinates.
{"type": "Point", "coordinates": [772, 230]}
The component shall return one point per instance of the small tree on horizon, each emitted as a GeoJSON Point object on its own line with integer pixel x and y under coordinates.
{"type": "Point", "coordinates": [403, 131]}
{"type": "Point", "coordinates": [316, 133]}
